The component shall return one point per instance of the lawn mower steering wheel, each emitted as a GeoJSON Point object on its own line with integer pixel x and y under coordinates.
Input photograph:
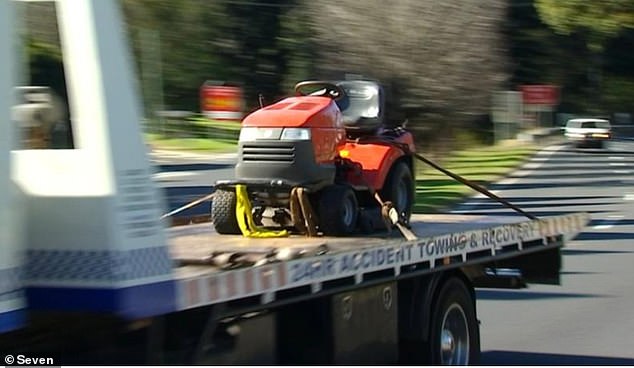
{"type": "Point", "coordinates": [318, 88]}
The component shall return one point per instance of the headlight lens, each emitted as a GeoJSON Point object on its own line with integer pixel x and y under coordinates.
{"type": "Point", "coordinates": [248, 134]}
{"type": "Point", "coordinates": [295, 134]}
{"type": "Point", "coordinates": [253, 133]}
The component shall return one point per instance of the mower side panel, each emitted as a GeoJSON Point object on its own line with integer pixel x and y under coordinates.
{"type": "Point", "coordinates": [327, 133]}
{"type": "Point", "coordinates": [376, 161]}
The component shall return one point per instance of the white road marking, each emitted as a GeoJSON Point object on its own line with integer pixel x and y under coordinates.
{"type": "Point", "coordinates": [616, 158]}
{"type": "Point", "coordinates": [529, 167]}
{"type": "Point", "coordinates": [628, 197]}
{"type": "Point", "coordinates": [525, 170]}
{"type": "Point", "coordinates": [173, 175]}
{"type": "Point", "coordinates": [508, 181]}
{"type": "Point", "coordinates": [605, 224]}
{"type": "Point", "coordinates": [522, 172]}
{"type": "Point", "coordinates": [603, 227]}
{"type": "Point", "coordinates": [617, 163]}
{"type": "Point", "coordinates": [622, 171]}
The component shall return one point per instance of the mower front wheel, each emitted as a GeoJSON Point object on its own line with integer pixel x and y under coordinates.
{"type": "Point", "coordinates": [223, 212]}
{"type": "Point", "coordinates": [338, 210]}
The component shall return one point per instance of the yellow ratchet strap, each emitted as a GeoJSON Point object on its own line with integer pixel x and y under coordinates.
{"type": "Point", "coordinates": [245, 217]}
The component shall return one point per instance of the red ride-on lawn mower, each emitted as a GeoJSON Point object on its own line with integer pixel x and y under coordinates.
{"type": "Point", "coordinates": [329, 141]}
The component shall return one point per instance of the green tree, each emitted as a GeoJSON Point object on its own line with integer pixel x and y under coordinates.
{"type": "Point", "coordinates": [251, 49]}
{"type": "Point", "coordinates": [174, 48]}
{"type": "Point", "coordinates": [541, 56]}
{"type": "Point", "coordinates": [249, 43]}
{"type": "Point", "coordinates": [618, 78]}
{"type": "Point", "coordinates": [597, 20]}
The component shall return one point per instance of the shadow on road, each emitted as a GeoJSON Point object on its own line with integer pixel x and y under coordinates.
{"type": "Point", "coordinates": [618, 222]}
{"type": "Point", "coordinates": [595, 183]}
{"type": "Point", "coordinates": [492, 294]}
{"type": "Point", "coordinates": [604, 236]}
{"type": "Point", "coordinates": [575, 152]}
{"type": "Point", "coordinates": [494, 205]}
{"type": "Point", "coordinates": [579, 273]}
{"type": "Point", "coordinates": [584, 252]}
{"type": "Point", "coordinates": [176, 197]}
{"type": "Point", "coordinates": [543, 174]}
{"type": "Point", "coordinates": [556, 199]}
{"type": "Point", "coordinates": [477, 211]}
{"type": "Point", "coordinates": [497, 357]}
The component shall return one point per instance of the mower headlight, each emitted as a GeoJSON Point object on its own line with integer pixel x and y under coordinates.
{"type": "Point", "coordinates": [295, 134]}
{"type": "Point", "coordinates": [249, 134]}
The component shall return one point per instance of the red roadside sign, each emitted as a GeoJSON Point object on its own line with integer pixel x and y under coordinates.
{"type": "Point", "coordinates": [540, 94]}
{"type": "Point", "coordinates": [221, 102]}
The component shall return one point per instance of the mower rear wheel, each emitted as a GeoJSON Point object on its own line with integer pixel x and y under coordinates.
{"type": "Point", "coordinates": [338, 210]}
{"type": "Point", "coordinates": [223, 212]}
{"type": "Point", "coordinates": [399, 189]}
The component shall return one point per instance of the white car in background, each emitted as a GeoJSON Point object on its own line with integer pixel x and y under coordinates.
{"type": "Point", "coordinates": [588, 132]}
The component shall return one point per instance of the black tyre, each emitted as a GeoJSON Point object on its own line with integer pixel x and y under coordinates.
{"type": "Point", "coordinates": [399, 189]}
{"type": "Point", "coordinates": [223, 212]}
{"type": "Point", "coordinates": [338, 210]}
{"type": "Point", "coordinates": [454, 334]}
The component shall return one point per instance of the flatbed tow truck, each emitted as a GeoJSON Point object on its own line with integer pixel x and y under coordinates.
{"type": "Point", "coordinates": [101, 280]}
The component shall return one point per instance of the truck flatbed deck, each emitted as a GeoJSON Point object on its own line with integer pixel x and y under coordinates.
{"type": "Point", "coordinates": [218, 268]}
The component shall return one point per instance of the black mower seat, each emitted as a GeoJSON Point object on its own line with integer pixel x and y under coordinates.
{"type": "Point", "coordinates": [362, 107]}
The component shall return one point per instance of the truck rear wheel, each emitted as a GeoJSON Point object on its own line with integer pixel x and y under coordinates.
{"type": "Point", "coordinates": [454, 334]}
{"type": "Point", "coordinates": [338, 210]}
{"type": "Point", "coordinates": [223, 212]}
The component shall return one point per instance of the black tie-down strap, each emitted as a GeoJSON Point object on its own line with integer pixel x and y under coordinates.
{"type": "Point", "coordinates": [454, 176]}
{"type": "Point", "coordinates": [473, 185]}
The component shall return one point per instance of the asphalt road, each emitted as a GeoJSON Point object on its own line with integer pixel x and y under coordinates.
{"type": "Point", "coordinates": [187, 177]}
{"type": "Point", "coordinates": [589, 318]}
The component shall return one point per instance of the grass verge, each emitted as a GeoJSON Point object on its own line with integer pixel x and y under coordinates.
{"type": "Point", "coordinates": [195, 134]}
{"type": "Point", "coordinates": [228, 125]}
{"type": "Point", "coordinates": [191, 144]}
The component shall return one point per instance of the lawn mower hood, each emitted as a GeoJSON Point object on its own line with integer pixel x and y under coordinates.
{"type": "Point", "coordinates": [294, 140]}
